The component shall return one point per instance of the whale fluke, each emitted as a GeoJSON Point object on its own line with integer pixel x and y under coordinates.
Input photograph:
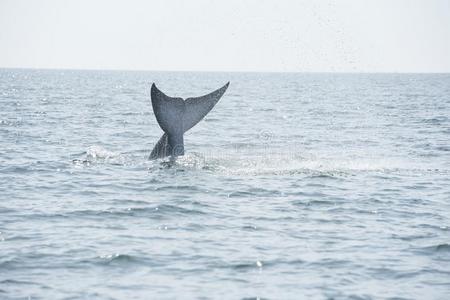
{"type": "Point", "coordinates": [176, 116]}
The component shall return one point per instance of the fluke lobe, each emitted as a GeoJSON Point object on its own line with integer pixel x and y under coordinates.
{"type": "Point", "coordinates": [175, 116]}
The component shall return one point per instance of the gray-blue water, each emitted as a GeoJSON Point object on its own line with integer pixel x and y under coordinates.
{"type": "Point", "coordinates": [312, 186]}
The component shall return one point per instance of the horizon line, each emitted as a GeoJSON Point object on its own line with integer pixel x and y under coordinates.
{"type": "Point", "coordinates": [222, 71]}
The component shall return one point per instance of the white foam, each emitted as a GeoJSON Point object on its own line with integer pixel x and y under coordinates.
{"type": "Point", "coordinates": [98, 152]}
{"type": "Point", "coordinates": [284, 163]}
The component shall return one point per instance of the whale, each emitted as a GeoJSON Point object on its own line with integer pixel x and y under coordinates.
{"type": "Point", "coordinates": [176, 116]}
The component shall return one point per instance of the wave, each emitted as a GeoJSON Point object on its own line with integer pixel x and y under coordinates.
{"type": "Point", "coordinates": [116, 258]}
{"type": "Point", "coordinates": [437, 249]}
{"type": "Point", "coordinates": [154, 212]}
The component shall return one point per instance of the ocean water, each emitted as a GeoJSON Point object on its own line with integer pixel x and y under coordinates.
{"type": "Point", "coordinates": [295, 186]}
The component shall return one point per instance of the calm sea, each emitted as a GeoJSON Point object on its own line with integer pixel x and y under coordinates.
{"type": "Point", "coordinates": [295, 186]}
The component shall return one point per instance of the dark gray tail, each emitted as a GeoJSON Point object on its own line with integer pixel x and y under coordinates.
{"type": "Point", "coordinates": [176, 116]}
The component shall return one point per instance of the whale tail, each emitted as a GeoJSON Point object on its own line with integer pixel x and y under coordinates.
{"type": "Point", "coordinates": [175, 116]}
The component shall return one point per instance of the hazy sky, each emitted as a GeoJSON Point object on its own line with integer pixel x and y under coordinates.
{"type": "Point", "coordinates": [227, 35]}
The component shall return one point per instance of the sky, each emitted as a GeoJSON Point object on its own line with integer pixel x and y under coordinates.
{"type": "Point", "coordinates": [231, 35]}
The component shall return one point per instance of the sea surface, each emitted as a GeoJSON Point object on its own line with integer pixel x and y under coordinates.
{"type": "Point", "coordinates": [295, 186]}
